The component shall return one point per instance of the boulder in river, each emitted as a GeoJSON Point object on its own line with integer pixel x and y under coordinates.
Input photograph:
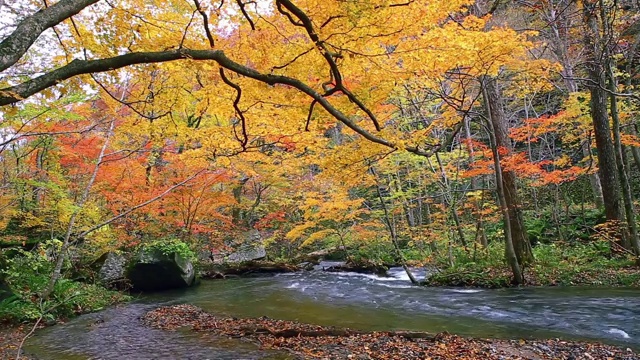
{"type": "Point", "coordinates": [247, 268]}
{"type": "Point", "coordinates": [153, 270]}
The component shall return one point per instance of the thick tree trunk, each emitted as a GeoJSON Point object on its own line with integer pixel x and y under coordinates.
{"type": "Point", "coordinates": [594, 179]}
{"type": "Point", "coordinates": [635, 152]}
{"type": "Point", "coordinates": [236, 211]}
{"type": "Point", "coordinates": [500, 131]}
{"type": "Point", "coordinates": [607, 164]}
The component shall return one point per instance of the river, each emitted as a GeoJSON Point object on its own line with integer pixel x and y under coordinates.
{"type": "Point", "coordinates": [360, 301]}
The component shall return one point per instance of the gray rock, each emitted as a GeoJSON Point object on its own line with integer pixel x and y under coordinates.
{"type": "Point", "coordinates": [251, 249]}
{"type": "Point", "coordinates": [112, 268]}
{"type": "Point", "coordinates": [217, 259]}
{"type": "Point", "coordinates": [249, 253]}
{"type": "Point", "coordinates": [152, 270]}
{"type": "Point", "coordinates": [252, 237]}
{"type": "Point", "coordinates": [205, 256]}
{"type": "Point", "coordinates": [306, 265]}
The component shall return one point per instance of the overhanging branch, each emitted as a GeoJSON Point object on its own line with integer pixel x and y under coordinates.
{"type": "Point", "coordinates": [14, 46]}
{"type": "Point", "coordinates": [77, 67]}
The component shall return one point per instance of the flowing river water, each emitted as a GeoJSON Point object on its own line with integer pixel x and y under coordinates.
{"type": "Point", "coordinates": [360, 301]}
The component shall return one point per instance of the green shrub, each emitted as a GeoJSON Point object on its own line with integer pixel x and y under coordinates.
{"type": "Point", "coordinates": [17, 310]}
{"type": "Point", "coordinates": [555, 264]}
{"type": "Point", "coordinates": [27, 274]}
{"type": "Point", "coordinates": [376, 252]}
{"type": "Point", "coordinates": [171, 246]}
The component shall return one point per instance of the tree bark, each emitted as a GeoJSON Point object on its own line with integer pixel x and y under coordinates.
{"type": "Point", "coordinates": [66, 242]}
{"type": "Point", "coordinates": [621, 157]}
{"type": "Point", "coordinates": [14, 46]}
{"type": "Point", "coordinates": [392, 230]}
{"type": "Point", "coordinates": [510, 251]}
{"type": "Point", "coordinates": [500, 132]}
{"type": "Point", "coordinates": [607, 163]}
{"type": "Point", "coordinates": [560, 22]}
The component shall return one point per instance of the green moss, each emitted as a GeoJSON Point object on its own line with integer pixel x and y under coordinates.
{"type": "Point", "coordinates": [171, 246]}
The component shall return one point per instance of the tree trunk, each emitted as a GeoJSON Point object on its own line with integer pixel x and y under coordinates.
{"type": "Point", "coordinates": [392, 230]}
{"type": "Point", "coordinates": [66, 241]}
{"type": "Point", "coordinates": [500, 132]}
{"type": "Point", "coordinates": [510, 251]}
{"type": "Point", "coordinates": [236, 211]}
{"type": "Point", "coordinates": [621, 157]}
{"type": "Point", "coordinates": [635, 152]}
{"type": "Point", "coordinates": [594, 179]}
{"type": "Point", "coordinates": [450, 201]}
{"type": "Point", "coordinates": [607, 164]}
{"type": "Point", "coordinates": [560, 22]}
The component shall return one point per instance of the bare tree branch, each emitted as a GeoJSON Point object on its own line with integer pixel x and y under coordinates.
{"type": "Point", "coordinates": [330, 56]}
{"type": "Point", "coordinates": [77, 67]}
{"type": "Point", "coordinates": [236, 106]}
{"type": "Point", "coordinates": [205, 20]}
{"type": "Point", "coordinates": [245, 14]}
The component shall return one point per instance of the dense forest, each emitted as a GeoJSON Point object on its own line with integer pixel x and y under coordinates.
{"type": "Point", "coordinates": [493, 140]}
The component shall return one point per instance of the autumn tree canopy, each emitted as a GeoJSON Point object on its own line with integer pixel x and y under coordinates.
{"type": "Point", "coordinates": [424, 123]}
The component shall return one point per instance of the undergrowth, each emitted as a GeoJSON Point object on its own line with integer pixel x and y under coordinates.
{"type": "Point", "coordinates": [26, 274]}
{"type": "Point", "coordinates": [554, 264]}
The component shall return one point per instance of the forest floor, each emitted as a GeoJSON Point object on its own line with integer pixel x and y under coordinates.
{"type": "Point", "coordinates": [304, 341]}
{"type": "Point", "coordinates": [10, 338]}
{"type": "Point", "coordinates": [589, 264]}
{"type": "Point", "coordinates": [500, 277]}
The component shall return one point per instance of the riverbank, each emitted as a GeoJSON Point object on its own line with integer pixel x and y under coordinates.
{"type": "Point", "coordinates": [581, 265]}
{"type": "Point", "coordinates": [500, 277]}
{"type": "Point", "coordinates": [305, 341]}
{"type": "Point", "coordinates": [11, 336]}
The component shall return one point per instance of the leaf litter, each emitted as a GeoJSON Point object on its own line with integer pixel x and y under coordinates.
{"type": "Point", "coordinates": [307, 341]}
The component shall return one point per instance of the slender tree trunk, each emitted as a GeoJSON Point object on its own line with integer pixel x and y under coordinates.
{"type": "Point", "coordinates": [392, 230]}
{"type": "Point", "coordinates": [631, 62]}
{"type": "Point", "coordinates": [500, 132]}
{"type": "Point", "coordinates": [451, 201]}
{"type": "Point", "coordinates": [57, 270]}
{"type": "Point", "coordinates": [621, 157]}
{"type": "Point", "coordinates": [558, 16]}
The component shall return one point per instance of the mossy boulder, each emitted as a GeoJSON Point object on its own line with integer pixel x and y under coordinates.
{"type": "Point", "coordinates": [155, 270]}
